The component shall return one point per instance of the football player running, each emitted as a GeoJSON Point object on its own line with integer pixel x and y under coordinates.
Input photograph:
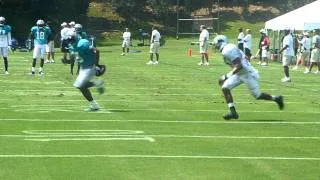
{"type": "Point", "coordinates": [39, 34]}
{"type": "Point", "coordinates": [5, 42]}
{"type": "Point", "coordinates": [242, 72]}
{"type": "Point", "coordinates": [85, 56]}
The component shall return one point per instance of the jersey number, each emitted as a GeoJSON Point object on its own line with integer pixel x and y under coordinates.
{"type": "Point", "coordinates": [40, 35]}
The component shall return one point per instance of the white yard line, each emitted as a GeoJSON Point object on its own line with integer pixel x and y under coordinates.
{"type": "Point", "coordinates": [169, 121]}
{"type": "Point", "coordinates": [155, 156]}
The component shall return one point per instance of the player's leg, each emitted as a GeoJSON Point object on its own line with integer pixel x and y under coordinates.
{"type": "Point", "coordinates": [42, 56]}
{"type": "Point", "coordinates": [286, 61]}
{"type": "Point", "coordinates": [4, 53]}
{"type": "Point", "coordinates": [83, 83]}
{"type": "Point", "coordinates": [227, 85]}
{"type": "Point", "coordinates": [156, 52]}
{"type": "Point", "coordinates": [48, 53]}
{"type": "Point", "coordinates": [123, 48]}
{"type": "Point", "coordinates": [36, 54]}
{"type": "Point", "coordinates": [72, 62]}
{"type": "Point", "coordinates": [152, 51]}
{"type": "Point", "coordinates": [252, 82]}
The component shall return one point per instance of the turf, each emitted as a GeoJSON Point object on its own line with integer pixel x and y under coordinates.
{"type": "Point", "coordinates": [157, 122]}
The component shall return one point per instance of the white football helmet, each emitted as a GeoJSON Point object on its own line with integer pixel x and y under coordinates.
{"type": "Point", "coordinates": [2, 20]}
{"type": "Point", "coordinates": [72, 23]}
{"type": "Point", "coordinates": [40, 22]}
{"type": "Point", "coordinates": [78, 27]}
{"type": "Point", "coordinates": [220, 41]}
{"type": "Point", "coordinates": [64, 24]}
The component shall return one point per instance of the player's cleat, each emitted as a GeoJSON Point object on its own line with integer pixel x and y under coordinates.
{"type": "Point", "coordinates": [306, 71]}
{"type": "Point", "coordinates": [41, 73]}
{"type": "Point", "coordinates": [264, 64]}
{"type": "Point", "coordinates": [92, 107]}
{"type": "Point", "coordinates": [47, 61]}
{"type": "Point", "coordinates": [149, 62]}
{"type": "Point", "coordinates": [295, 68]}
{"type": "Point", "coordinates": [52, 61]}
{"type": "Point", "coordinates": [156, 62]}
{"type": "Point", "coordinates": [206, 64]}
{"type": "Point", "coordinates": [123, 54]}
{"type": "Point", "coordinates": [32, 73]}
{"type": "Point", "coordinates": [6, 73]}
{"type": "Point", "coordinates": [279, 101]}
{"type": "Point", "coordinates": [317, 72]}
{"type": "Point", "coordinates": [99, 84]}
{"type": "Point", "coordinates": [286, 79]}
{"type": "Point", "coordinates": [200, 63]}
{"type": "Point", "coordinates": [230, 116]}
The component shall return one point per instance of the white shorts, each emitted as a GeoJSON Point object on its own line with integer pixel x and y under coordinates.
{"type": "Point", "coordinates": [264, 53]}
{"type": "Point", "coordinates": [39, 51]}
{"type": "Point", "coordinates": [154, 47]}
{"type": "Point", "coordinates": [126, 44]}
{"type": "Point", "coordinates": [286, 60]}
{"type": "Point", "coordinates": [250, 79]}
{"type": "Point", "coordinates": [50, 47]}
{"type": "Point", "coordinates": [85, 75]}
{"type": "Point", "coordinates": [204, 46]}
{"type": "Point", "coordinates": [315, 55]}
{"type": "Point", "coordinates": [4, 51]}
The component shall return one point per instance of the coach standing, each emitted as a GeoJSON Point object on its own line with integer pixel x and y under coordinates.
{"type": "Point", "coordinates": [204, 45]}
{"type": "Point", "coordinates": [288, 54]}
{"type": "Point", "coordinates": [154, 46]}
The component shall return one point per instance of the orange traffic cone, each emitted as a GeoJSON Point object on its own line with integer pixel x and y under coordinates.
{"type": "Point", "coordinates": [189, 52]}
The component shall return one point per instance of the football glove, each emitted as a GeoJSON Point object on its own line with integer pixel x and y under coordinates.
{"type": "Point", "coordinates": [100, 70]}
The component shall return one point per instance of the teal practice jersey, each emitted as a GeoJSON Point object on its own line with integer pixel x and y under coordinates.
{"type": "Point", "coordinates": [40, 35]}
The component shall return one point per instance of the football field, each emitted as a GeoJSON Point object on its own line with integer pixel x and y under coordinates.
{"type": "Point", "coordinates": [160, 122]}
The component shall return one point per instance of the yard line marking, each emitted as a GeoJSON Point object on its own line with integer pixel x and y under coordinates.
{"type": "Point", "coordinates": [166, 121]}
{"type": "Point", "coordinates": [155, 156]}
{"type": "Point", "coordinates": [93, 139]}
{"type": "Point", "coordinates": [78, 137]}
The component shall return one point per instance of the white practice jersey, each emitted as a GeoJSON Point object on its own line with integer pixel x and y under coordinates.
{"type": "Point", "coordinates": [248, 41]}
{"type": "Point", "coordinates": [64, 33]}
{"type": "Point", "coordinates": [288, 41]}
{"type": "Point", "coordinates": [155, 36]}
{"type": "Point", "coordinates": [204, 36]}
{"type": "Point", "coordinates": [126, 36]}
{"type": "Point", "coordinates": [231, 52]}
{"type": "Point", "coordinates": [240, 37]}
{"type": "Point", "coordinates": [306, 43]}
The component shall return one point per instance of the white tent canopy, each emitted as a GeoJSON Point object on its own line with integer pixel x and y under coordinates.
{"type": "Point", "coordinates": [303, 18]}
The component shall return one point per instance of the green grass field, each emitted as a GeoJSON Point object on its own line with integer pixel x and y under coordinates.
{"type": "Point", "coordinates": [160, 122]}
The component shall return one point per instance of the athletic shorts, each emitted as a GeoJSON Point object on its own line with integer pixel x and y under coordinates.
{"type": "Point", "coordinates": [250, 79]}
{"type": "Point", "coordinates": [50, 46]}
{"type": "Point", "coordinates": [287, 60]}
{"type": "Point", "coordinates": [85, 75]}
{"type": "Point", "coordinates": [154, 47]}
{"type": "Point", "coordinates": [64, 45]}
{"type": "Point", "coordinates": [204, 46]}
{"type": "Point", "coordinates": [305, 55]}
{"type": "Point", "coordinates": [126, 44]}
{"type": "Point", "coordinates": [315, 55]}
{"type": "Point", "coordinates": [39, 51]}
{"type": "Point", "coordinates": [4, 51]}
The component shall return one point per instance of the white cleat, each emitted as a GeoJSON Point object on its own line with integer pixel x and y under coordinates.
{"type": "Point", "coordinates": [6, 73]}
{"type": "Point", "coordinates": [47, 61]}
{"type": "Point", "coordinates": [317, 72]}
{"type": "Point", "coordinates": [156, 62]}
{"type": "Point", "coordinates": [295, 68]}
{"type": "Point", "coordinates": [149, 62]}
{"type": "Point", "coordinates": [52, 61]}
{"type": "Point", "coordinates": [206, 64]}
{"type": "Point", "coordinates": [123, 54]}
{"type": "Point", "coordinates": [306, 71]}
{"type": "Point", "coordinates": [264, 64]}
{"type": "Point", "coordinates": [286, 79]}
{"type": "Point", "coordinates": [41, 73]}
{"type": "Point", "coordinates": [200, 64]}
